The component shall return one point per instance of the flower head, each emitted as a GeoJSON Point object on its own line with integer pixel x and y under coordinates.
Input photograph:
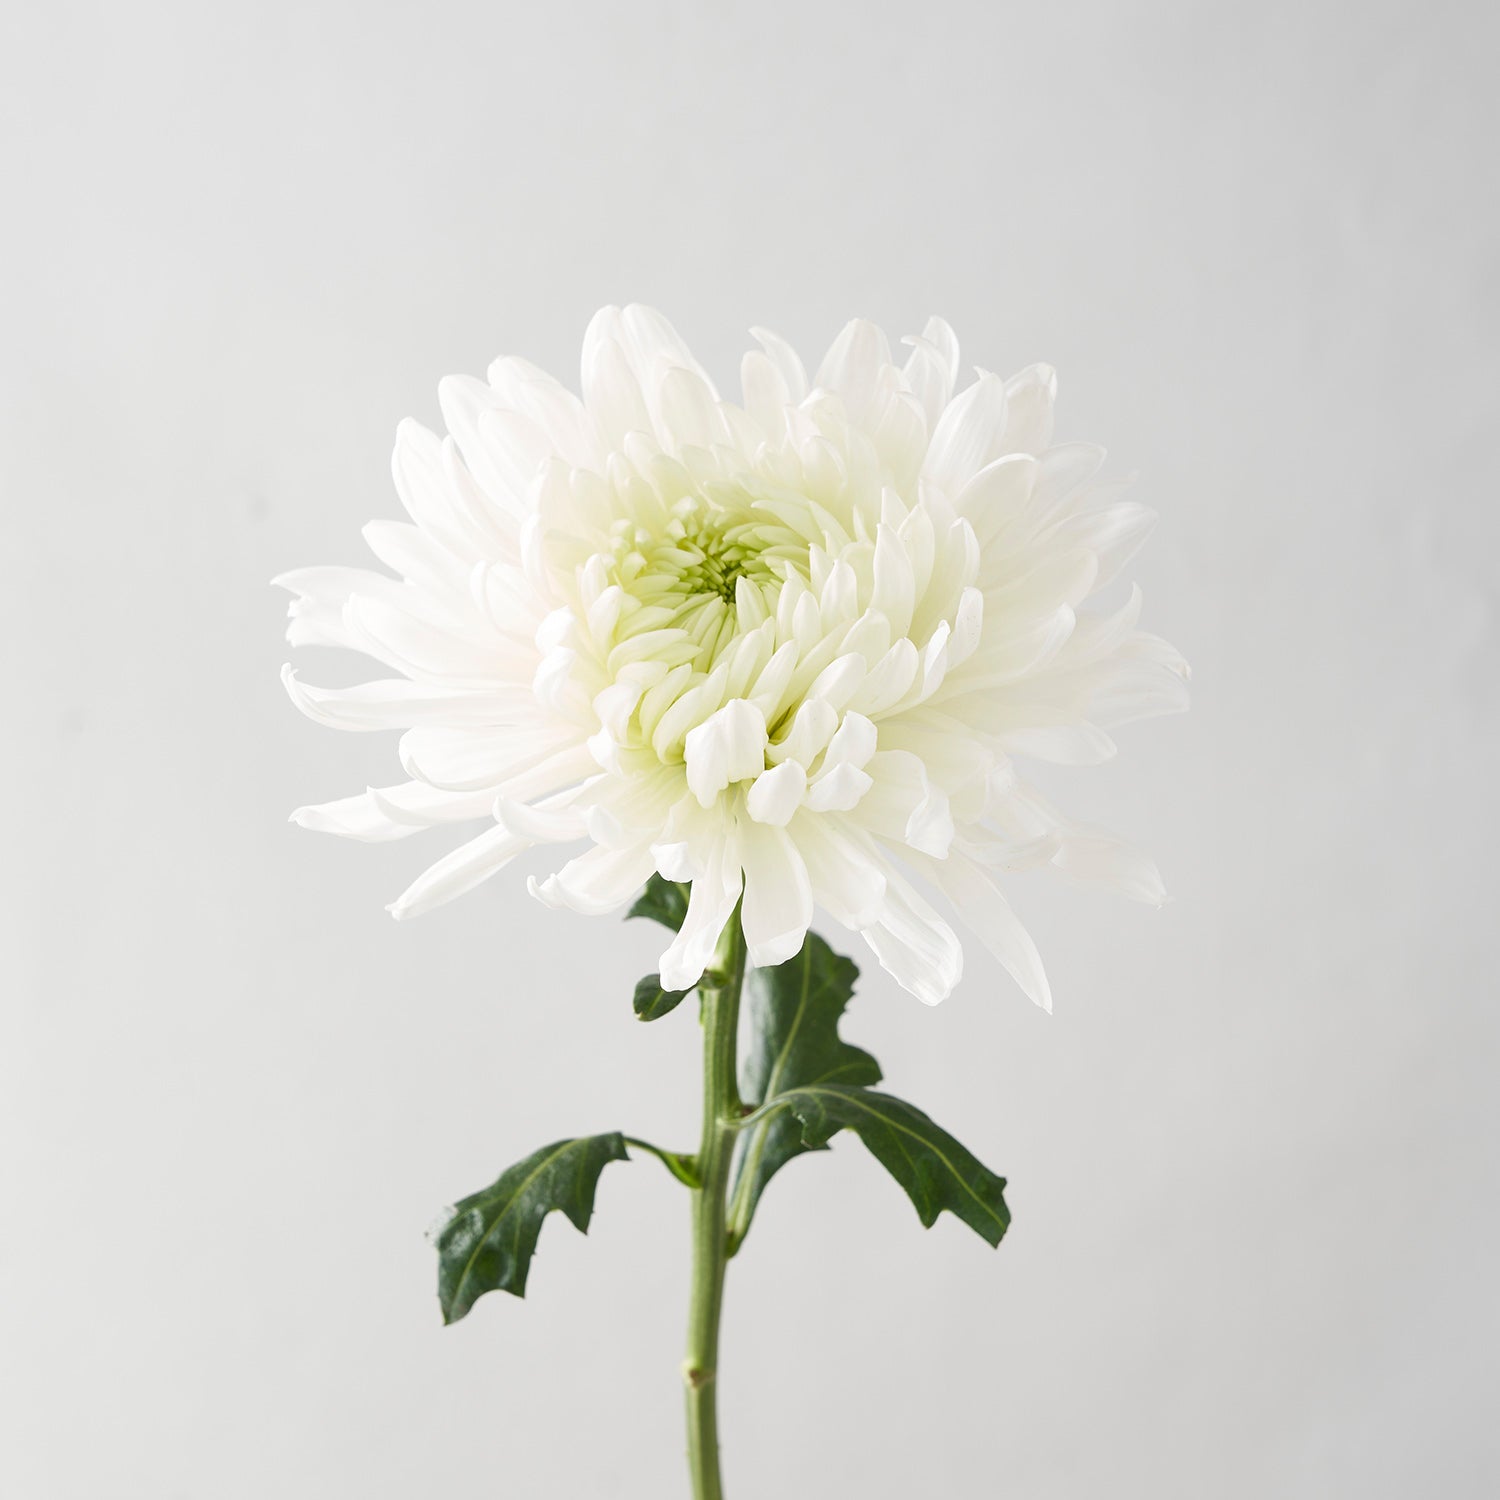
{"type": "Point", "coordinates": [788, 649]}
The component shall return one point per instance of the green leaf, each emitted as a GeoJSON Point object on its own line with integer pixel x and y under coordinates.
{"type": "Point", "coordinates": [932, 1167]}
{"type": "Point", "coordinates": [663, 901]}
{"type": "Point", "coordinates": [794, 1011]}
{"type": "Point", "coordinates": [652, 1002]}
{"type": "Point", "coordinates": [487, 1241]}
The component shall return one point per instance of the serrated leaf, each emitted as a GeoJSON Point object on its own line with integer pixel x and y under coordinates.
{"type": "Point", "coordinates": [793, 1040]}
{"type": "Point", "coordinates": [652, 1002]}
{"type": "Point", "coordinates": [663, 901]}
{"type": "Point", "coordinates": [934, 1169]}
{"type": "Point", "coordinates": [488, 1239]}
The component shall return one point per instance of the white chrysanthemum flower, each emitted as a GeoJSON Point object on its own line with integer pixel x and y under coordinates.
{"type": "Point", "coordinates": [788, 648]}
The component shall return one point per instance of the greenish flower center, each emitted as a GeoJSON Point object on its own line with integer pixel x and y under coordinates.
{"type": "Point", "coordinates": [695, 556]}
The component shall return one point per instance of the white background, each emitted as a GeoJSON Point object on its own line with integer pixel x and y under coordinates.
{"type": "Point", "coordinates": [1252, 1156]}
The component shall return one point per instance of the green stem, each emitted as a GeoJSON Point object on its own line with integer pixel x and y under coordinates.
{"type": "Point", "coordinates": [721, 1112]}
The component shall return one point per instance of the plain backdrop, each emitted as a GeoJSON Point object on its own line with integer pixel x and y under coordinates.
{"type": "Point", "coordinates": [1252, 1155]}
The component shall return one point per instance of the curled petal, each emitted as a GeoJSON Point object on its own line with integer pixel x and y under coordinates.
{"type": "Point", "coordinates": [777, 794]}
{"type": "Point", "coordinates": [729, 746]}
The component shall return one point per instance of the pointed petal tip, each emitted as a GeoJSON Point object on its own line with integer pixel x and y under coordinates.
{"type": "Point", "coordinates": [1039, 992]}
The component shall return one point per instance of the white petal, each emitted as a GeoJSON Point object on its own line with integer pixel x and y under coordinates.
{"type": "Point", "coordinates": [858, 368]}
{"type": "Point", "coordinates": [597, 882]}
{"type": "Point", "coordinates": [1114, 534]}
{"type": "Point", "coordinates": [687, 411]}
{"type": "Point", "coordinates": [932, 368]}
{"type": "Point", "coordinates": [380, 814]}
{"type": "Point", "coordinates": [986, 911]}
{"type": "Point", "coordinates": [1028, 409]}
{"type": "Point", "coordinates": [838, 789]}
{"type": "Point", "coordinates": [611, 388]}
{"type": "Point", "coordinates": [1064, 744]}
{"type": "Point", "coordinates": [953, 758]}
{"type": "Point", "coordinates": [541, 823]}
{"type": "Point", "coordinates": [894, 594]}
{"type": "Point", "coordinates": [777, 794]}
{"type": "Point", "coordinates": [547, 403]}
{"type": "Point", "coordinates": [784, 357]}
{"type": "Point", "coordinates": [900, 436]}
{"type": "Point", "coordinates": [418, 805]}
{"type": "Point", "coordinates": [968, 628]}
{"type": "Point", "coordinates": [489, 513]}
{"type": "Point", "coordinates": [1064, 470]}
{"type": "Point", "coordinates": [459, 871]}
{"type": "Point", "coordinates": [838, 682]}
{"type": "Point", "coordinates": [914, 944]}
{"type": "Point", "coordinates": [652, 342]}
{"type": "Point", "coordinates": [904, 806]}
{"type": "Point", "coordinates": [1064, 574]}
{"type": "Point", "coordinates": [1101, 860]}
{"type": "Point", "coordinates": [728, 746]}
{"type": "Point", "coordinates": [715, 890]}
{"type": "Point", "coordinates": [778, 897]}
{"type": "Point", "coordinates": [417, 468]}
{"type": "Point", "coordinates": [888, 682]}
{"type": "Point", "coordinates": [398, 704]}
{"type": "Point", "coordinates": [853, 743]}
{"type": "Point", "coordinates": [1098, 636]}
{"type": "Point", "coordinates": [1010, 854]}
{"type": "Point", "coordinates": [845, 870]}
{"type": "Point", "coordinates": [968, 435]}
{"type": "Point", "coordinates": [335, 586]}
{"type": "Point", "coordinates": [694, 708]}
{"type": "Point", "coordinates": [1027, 652]}
{"type": "Point", "coordinates": [465, 760]}
{"type": "Point", "coordinates": [421, 647]}
{"type": "Point", "coordinates": [353, 818]}
{"type": "Point", "coordinates": [557, 771]}
{"type": "Point", "coordinates": [766, 394]}
{"type": "Point", "coordinates": [998, 495]}
{"type": "Point", "coordinates": [407, 550]}
{"type": "Point", "coordinates": [939, 335]}
{"type": "Point", "coordinates": [770, 687]}
{"type": "Point", "coordinates": [1128, 690]}
{"type": "Point", "coordinates": [674, 862]}
{"type": "Point", "coordinates": [812, 727]}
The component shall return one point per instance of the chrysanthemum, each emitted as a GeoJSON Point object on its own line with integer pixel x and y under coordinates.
{"type": "Point", "coordinates": [789, 648]}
